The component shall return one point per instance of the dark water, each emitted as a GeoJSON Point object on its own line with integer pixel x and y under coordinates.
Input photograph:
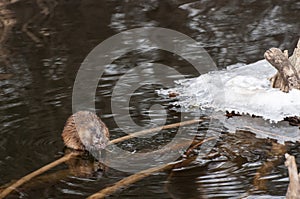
{"type": "Point", "coordinates": [43, 44]}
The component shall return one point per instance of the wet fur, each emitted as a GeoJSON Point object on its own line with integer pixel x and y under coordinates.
{"type": "Point", "coordinates": [83, 129]}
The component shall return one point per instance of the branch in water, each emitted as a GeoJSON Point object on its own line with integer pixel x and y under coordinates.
{"type": "Point", "coordinates": [65, 158]}
{"type": "Point", "coordinates": [125, 182]}
{"type": "Point", "coordinates": [293, 191]}
{"type": "Point", "coordinates": [28, 177]}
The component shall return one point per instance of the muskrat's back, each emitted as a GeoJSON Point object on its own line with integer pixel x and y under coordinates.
{"type": "Point", "coordinates": [85, 131]}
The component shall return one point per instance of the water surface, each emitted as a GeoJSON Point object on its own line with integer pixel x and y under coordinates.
{"type": "Point", "coordinates": [42, 46]}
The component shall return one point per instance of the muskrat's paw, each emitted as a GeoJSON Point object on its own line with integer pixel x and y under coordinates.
{"type": "Point", "coordinates": [275, 56]}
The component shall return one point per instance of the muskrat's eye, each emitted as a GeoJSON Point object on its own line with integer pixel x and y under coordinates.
{"type": "Point", "coordinates": [96, 137]}
{"type": "Point", "coordinates": [92, 130]}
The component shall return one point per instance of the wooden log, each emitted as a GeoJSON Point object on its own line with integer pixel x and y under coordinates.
{"type": "Point", "coordinates": [288, 75]}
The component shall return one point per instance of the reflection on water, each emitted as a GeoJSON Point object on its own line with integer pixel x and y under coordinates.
{"type": "Point", "coordinates": [42, 45]}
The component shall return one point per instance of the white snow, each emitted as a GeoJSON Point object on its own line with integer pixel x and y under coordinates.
{"type": "Point", "coordinates": [240, 88]}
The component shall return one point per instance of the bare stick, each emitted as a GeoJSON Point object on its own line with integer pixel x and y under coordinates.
{"type": "Point", "coordinates": [125, 182]}
{"type": "Point", "coordinates": [294, 186]}
{"type": "Point", "coordinates": [189, 151]}
{"type": "Point", "coordinates": [130, 180]}
{"type": "Point", "coordinates": [272, 135]}
{"type": "Point", "coordinates": [28, 177]}
{"type": "Point", "coordinates": [144, 132]}
{"type": "Point", "coordinates": [65, 158]}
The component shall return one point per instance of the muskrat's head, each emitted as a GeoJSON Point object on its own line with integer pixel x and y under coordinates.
{"type": "Point", "coordinates": [85, 131]}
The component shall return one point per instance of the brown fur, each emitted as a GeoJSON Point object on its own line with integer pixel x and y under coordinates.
{"type": "Point", "coordinates": [84, 130]}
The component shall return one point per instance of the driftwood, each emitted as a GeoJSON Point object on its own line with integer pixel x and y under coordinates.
{"type": "Point", "coordinates": [293, 191]}
{"type": "Point", "coordinates": [288, 75]}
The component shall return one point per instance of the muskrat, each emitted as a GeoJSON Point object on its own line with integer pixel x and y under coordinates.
{"type": "Point", "coordinates": [85, 131]}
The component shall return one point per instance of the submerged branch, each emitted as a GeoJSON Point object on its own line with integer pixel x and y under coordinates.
{"type": "Point", "coordinates": [67, 157]}
{"type": "Point", "coordinates": [28, 177]}
{"type": "Point", "coordinates": [125, 182]}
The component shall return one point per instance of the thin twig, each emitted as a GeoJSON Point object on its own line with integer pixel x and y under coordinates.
{"type": "Point", "coordinates": [147, 131]}
{"type": "Point", "coordinates": [28, 177]}
{"type": "Point", "coordinates": [125, 182]}
{"type": "Point", "coordinates": [267, 133]}
{"type": "Point", "coordinates": [190, 150]}
{"type": "Point", "coordinates": [65, 158]}
{"type": "Point", "coordinates": [130, 180]}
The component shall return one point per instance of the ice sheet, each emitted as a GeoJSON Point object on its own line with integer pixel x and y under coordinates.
{"type": "Point", "coordinates": [240, 88]}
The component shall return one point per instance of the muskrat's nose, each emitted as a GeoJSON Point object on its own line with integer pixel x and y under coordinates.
{"type": "Point", "coordinates": [84, 131]}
